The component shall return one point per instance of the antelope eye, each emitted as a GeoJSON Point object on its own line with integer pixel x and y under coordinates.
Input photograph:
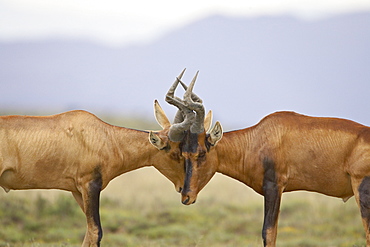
{"type": "Point", "coordinates": [201, 155]}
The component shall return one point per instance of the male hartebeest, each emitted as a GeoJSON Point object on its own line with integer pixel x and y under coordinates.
{"type": "Point", "coordinates": [284, 152]}
{"type": "Point", "coordinates": [76, 151]}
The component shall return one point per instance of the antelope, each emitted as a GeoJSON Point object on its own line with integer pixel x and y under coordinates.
{"type": "Point", "coordinates": [76, 151]}
{"type": "Point", "coordinates": [284, 152]}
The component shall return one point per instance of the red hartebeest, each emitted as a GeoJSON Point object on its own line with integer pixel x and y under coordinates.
{"type": "Point", "coordinates": [284, 152]}
{"type": "Point", "coordinates": [76, 151]}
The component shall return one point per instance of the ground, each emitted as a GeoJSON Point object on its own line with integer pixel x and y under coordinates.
{"type": "Point", "coordinates": [142, 208]}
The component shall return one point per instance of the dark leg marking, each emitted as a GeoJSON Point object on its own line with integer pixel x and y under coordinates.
{"type": "Point", "coordinates": [364, 191]}
{"type": "Point", "coordinates": [95, 187]}
{"type": "Point", "coordinates": [272, 197]}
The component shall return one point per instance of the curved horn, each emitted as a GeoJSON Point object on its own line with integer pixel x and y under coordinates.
{"type": "Point", "coordinates": [184, 116]}
{"type": "Point", "coordinates": [193, 95]}
{"type": "Point", "coordinates": [172, 89]}
{"type": "Point", "coordinates": [171, 99]}
{"type": "Point", "coordinates": [177, 130]}
{"type": "Point", "coordinates": [198, 125]}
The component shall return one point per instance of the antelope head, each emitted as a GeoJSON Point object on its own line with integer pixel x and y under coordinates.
{"type": "Point", "coordinates": [197, 140]}
{"type": "Point", "coordinates": [172, 136]}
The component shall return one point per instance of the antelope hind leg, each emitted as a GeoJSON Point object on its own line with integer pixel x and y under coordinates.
{"type": "Point", "coordinates": [79, 200]}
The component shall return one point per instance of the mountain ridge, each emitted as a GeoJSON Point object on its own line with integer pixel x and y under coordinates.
{"type": "Point", "coordinates": [249, 67]}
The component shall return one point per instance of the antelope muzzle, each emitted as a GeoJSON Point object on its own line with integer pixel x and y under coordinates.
{"type": "Point", "coordinates": [189, 192]}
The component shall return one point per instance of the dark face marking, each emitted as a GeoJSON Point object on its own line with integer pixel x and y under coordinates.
{"type": "Point", "coordinates": [95, 187]}
{"type": "Point", "coordinates": [272, 197]}
{"type": "Point", "coordinates": [364, 191]}
{"type": "Point", "coordinates": [188, 174]}
{"type": "Point", "coordinates": [189, 145]}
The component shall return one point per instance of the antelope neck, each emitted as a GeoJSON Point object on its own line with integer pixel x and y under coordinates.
{"type": "Point", "coordinates": [133, 148]}
{"type": "Point", "coordinates": [237, 158]}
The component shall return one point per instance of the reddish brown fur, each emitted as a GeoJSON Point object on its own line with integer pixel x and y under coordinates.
{"type": "Point", "coordinates": [310, 152]}
{"type": "Point", "coordinates": [75, 151]}
{"type": "Point", "coordinates": [326, 155]}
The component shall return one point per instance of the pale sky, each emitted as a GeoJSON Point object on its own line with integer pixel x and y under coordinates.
{"type": "Point", "coordinates": [119, 22]}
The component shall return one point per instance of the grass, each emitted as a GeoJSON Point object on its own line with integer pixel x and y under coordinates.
{"type": "Point", "coordinates": [141, 208]}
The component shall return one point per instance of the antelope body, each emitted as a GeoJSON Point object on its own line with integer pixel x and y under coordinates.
{"type": "Point", "coordinates": [298, 153]}
{"type": "Point", "coordinates": [75, 151]}
{"type": "Point", "coordinates": [284, 152]}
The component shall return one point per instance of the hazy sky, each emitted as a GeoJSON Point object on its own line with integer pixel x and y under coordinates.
{"type": "Point", "coordinates": [118, 22]}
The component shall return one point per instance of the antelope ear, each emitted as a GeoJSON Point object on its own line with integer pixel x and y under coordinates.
{"type": "Point", "coordinates": [208, 121]}
{"type": "Point", "coordinates": [156, 141]}
{"type": "Point", "coordinates": [160, 116]}
{"type": "Point", "coordinates": [215, 134]}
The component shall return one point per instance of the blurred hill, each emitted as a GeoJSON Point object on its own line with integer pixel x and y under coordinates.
{"type": "Point", "coordinates": [249, 67]}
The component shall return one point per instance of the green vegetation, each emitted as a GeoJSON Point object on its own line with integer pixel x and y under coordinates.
{"type": "Point", "coordinates": [142, 209]}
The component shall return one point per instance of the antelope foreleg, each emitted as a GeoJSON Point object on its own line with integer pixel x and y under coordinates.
{"type": "Point", "coordinates": [272, 198]}
{"type": "Point", "coordinates": [362, 194]}
{"type": "Point", "coordinates": [91, 199]}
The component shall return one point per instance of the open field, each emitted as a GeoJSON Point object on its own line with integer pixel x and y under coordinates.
{"type": "Point", "coordinates": [141, 208]}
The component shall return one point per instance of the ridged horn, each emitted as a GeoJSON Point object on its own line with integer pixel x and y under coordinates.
{"type": "Point", "coordinates": [194, 97]}
{"type": "Point", "coordinates": [198, 125]}
{"type": "Point", "coordinates": [184, 116]}
{"type": "Point", "coordinates": [171, 99]}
